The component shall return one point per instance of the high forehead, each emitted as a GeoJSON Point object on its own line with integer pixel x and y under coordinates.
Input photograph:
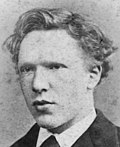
{"type": "Point", "coordinates": [53, 44]}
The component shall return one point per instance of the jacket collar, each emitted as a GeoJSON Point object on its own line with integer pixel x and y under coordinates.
{"type": "Point", "coordinates": [102, 133]}
{"type": "Point", "coordinates": [30, 139]}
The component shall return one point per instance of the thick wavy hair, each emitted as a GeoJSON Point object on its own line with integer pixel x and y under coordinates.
{"type": "Point", "coordinates": [90, 38]}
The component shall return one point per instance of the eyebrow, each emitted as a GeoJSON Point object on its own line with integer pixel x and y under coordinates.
{"type": "Point", "coordinates": [26, 64]}
{"type": "Point", "coordinates": [44, 64]}
{"type": "Point", "coordinates": [49, 63]}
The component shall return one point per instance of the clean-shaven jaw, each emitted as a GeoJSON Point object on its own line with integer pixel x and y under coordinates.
{"type": "Point", "coordinates": [55, 83]}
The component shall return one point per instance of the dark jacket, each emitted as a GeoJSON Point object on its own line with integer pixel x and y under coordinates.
{"type": "Point", "coordinates": [102, 133]}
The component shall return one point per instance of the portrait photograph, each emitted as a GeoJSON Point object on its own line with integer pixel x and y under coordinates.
{"type": "Point", "coordinates": [60, 73]}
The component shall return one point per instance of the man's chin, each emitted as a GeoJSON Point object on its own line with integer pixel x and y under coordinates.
{"type": "Point", "coordinates": [47, 123]}
{"type": "Point", "coordinates": [49, 126]}
{"type": "Point", "coordinates": [52, 124]}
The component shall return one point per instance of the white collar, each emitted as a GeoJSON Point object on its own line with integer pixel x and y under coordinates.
{"type": "Point", "coordinates": [69, 136]}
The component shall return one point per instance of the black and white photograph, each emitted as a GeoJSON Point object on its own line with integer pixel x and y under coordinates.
{"type": "Point", "coordinates": [60, 73]}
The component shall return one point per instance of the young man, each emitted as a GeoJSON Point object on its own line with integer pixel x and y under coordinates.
{"type": "Point", "coordinates": [60, 58]}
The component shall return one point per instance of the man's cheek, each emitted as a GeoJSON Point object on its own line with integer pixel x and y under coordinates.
{"type": "Point", "coordinates": [66, 93]}
{"type": "Point", "coordinates": [25, 82]}
{"type": "Point", "coordinates": [65, 75]}
{"type": "Point", "coordinates": [26, 87]}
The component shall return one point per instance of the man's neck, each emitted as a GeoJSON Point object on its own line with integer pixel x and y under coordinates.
{"type": "Point", "coordinates": [70, 135]}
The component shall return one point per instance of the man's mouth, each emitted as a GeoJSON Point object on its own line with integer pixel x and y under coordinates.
{"type": "Point", "coordinates": [41, 103]}
{"type": "Point", "coordinates": [43, 107]}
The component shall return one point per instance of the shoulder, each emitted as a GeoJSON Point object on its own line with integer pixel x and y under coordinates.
{"type": "Point", "coordinates": [105, 132]}
{"type": "Point", "coordinates": [30, 139]}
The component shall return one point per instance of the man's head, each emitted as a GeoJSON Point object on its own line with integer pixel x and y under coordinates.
{"type": "Point", "coordinates": [90, 38]}
{"type": "Point", "coordinates": [60, 58]}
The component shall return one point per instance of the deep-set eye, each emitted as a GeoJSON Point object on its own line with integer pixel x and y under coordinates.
{"type": "Point", "coordinates": [56, 66]}
{"type": "Point", "coordinates": [26, 69]}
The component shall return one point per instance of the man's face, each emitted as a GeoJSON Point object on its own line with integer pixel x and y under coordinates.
{"type": "Point", "coordinates": [53, 78]}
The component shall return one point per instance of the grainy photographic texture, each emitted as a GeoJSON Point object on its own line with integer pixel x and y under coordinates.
{"type": "Point", "coordinates": [62, 58]}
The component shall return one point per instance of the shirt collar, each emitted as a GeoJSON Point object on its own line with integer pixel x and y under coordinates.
{"type": "Point", "coordinates": [69, 136]}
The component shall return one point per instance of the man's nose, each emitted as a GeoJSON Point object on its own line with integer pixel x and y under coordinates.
{"type": "Point", "coordinates": [40, 81]}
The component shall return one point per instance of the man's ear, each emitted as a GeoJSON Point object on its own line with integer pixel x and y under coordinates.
{"type": "Point", "coordinates": [94, 77]}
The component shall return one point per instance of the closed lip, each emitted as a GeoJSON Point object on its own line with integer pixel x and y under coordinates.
{"type": "Point", "coordinates": [41, 103]}
{"type": "Point", "coordinates": [42, 106]}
